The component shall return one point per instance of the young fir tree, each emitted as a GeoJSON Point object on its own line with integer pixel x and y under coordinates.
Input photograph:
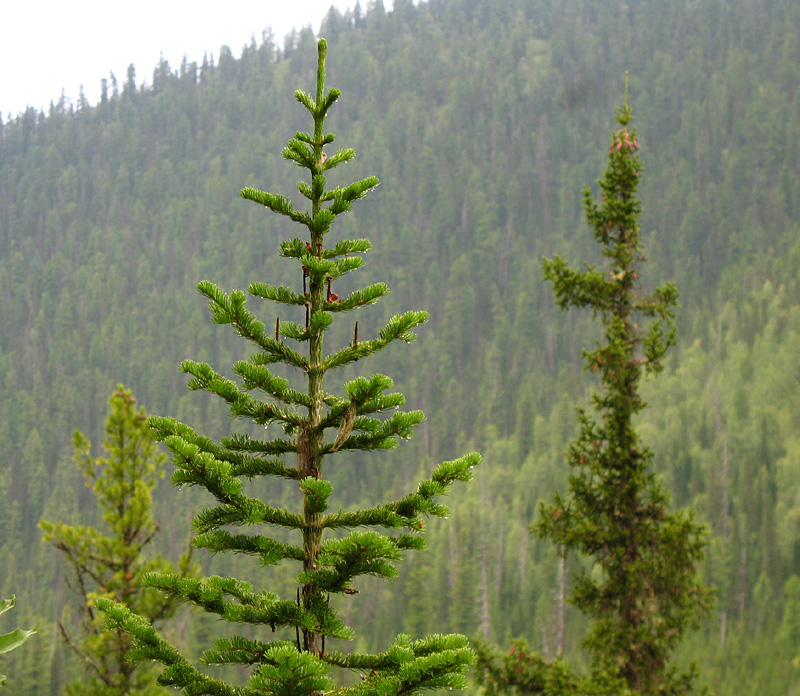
{"type": "Point", "coordinates": [643, 591]}
{"type": "Point", "coordinates": [110, 564]}
{"type": "Point", "coordinates": [317, 424]}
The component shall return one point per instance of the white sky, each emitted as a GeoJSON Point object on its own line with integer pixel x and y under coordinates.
{"type": "Point", "coordinates": [51, 45]}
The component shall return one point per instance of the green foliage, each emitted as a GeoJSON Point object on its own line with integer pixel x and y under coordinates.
{"type": "Point", "coordinates": [482, 119]}
{"type": "Point", "coordinates": [12, 640]}
{"type": "Point", "coordinates": [111, 565]}
{"type": "Point", "coordinates": [318, 424]}
{"type": "Point", "coordinates": [643, 590]}
{"type": "Point", "coordinates": [520, 672]}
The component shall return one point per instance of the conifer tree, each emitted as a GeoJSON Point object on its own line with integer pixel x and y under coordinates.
{"type": "Point", "coordinates": [110, 564]}
{"type": "Point", "coordinates": [643, 591]}
{"type": "Point", "coordinates": [329, 550]}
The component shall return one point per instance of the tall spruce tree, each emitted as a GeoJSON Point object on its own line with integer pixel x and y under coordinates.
{"type": "Point", "coordinates": [642, 592]}
{"type": "Point", "coordinates": [317, 424]}
{"type": "Point", "coordinates": [110, 564]}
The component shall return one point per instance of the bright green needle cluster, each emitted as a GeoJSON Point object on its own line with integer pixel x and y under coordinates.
{"type": "Point", "coordinates": [316, 424]}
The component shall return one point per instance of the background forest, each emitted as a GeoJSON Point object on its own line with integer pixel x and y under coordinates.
{"type": "Point", "coordinates": [483, 120]}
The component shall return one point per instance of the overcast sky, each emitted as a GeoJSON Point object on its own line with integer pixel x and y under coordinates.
{"type": "Point", "coordinates": [52, 45]}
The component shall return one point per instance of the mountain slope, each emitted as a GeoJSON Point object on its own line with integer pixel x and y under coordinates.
{"type": "Point", "coordinates": [483, 121]}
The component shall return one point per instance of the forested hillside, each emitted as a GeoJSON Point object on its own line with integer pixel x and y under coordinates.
{"type": "Point", "coordinates": [483, 119]}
